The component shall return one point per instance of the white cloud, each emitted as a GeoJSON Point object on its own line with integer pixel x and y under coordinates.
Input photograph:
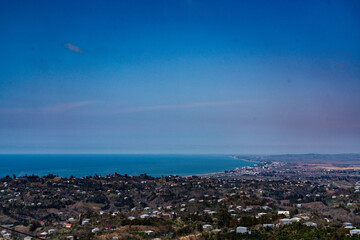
{"type": "Point", "coordinates": [73, 48]}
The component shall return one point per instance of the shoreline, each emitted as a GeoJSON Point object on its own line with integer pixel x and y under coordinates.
{"type": "Point", "coordinates": [223, 172]}
{"type": "Point", "coordinates": [149, 166]}
{"type": "Point", "coordinates": [138, 175]}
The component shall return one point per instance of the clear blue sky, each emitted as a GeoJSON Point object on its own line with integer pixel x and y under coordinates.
{"type": "Point", "coordinates": [180, 76]}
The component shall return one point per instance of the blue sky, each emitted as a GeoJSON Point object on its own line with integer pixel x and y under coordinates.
{"type": "Point", "coordinates": [180, 76]}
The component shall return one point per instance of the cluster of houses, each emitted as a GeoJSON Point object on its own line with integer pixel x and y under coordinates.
{"type": "Point", "coordinates": [173, 197]}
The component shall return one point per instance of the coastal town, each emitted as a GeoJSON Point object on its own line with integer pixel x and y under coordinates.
{"type": "Point", "coordinates": [273, 199]}
{"type": "Point", "coordinates": [179, 120]}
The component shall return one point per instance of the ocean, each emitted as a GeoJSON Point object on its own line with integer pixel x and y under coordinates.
{"type": "Point", "coordinates": [80, 165]}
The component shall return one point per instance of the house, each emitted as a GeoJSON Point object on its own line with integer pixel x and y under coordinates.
{"type": "Point", "coordinates": [291, 220]}
{"type": "Point", "coordinates": [206, 226]}
{"type": "Point", "coordinates": [295, 219]}
{"type": "Point", "coordinates": [310, 224]}
{"type": "Point", "coordinates": [355, 231]}
{"type": "Point", "coordinates": [268, 225]}
{"type": "Point", "coordinates": [28, 238]}
{"type": "Point", "coordinates": [43, 235]}
{"type": "Point", "coordinates": [114, 213]}
{"type": "Point", "coordinates": [51, 231]}
{"type": "Point", "coordinates": [7, 235]}
{"type": "Point", "coordinates": [260, 214]}
{"type": "Point", "coordinates": [248, 209]}
{"type": "Point", "coordinates": [242, 230]}
{"type": "Point", "coordinates": [86, 221]}
{"type": "Point", "coordinates": [164, 215]}
{"type": "Point", "coordinates": [347, 224]}
{"type": "Point", "coordinates": [68, 225]}
{"type": "Point", "coordinates": [285, 221]}
{"type": "Point", "coordinates": [149, 232]}
{"type": "Point", "coordinates": [144, 216]}
{"type": "Point", "coordinates": [305, 217]}
{"type": "Point", "coordinates": [95, 230]}
{"type": "Point", "coordinates": [286, 213]}
{"type": "Point", "coordinates": [108, 227]}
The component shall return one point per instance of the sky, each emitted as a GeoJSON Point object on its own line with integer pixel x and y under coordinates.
{"type": "Point", "coordinates": [180, 76]}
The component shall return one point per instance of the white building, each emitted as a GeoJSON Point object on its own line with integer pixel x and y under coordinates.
{"type": "Point", "coordinates": [207, 226]}
{"type": "Point", "coordinates": [286, 213]}
{"type": "Point", "coordinates": [269, 225]}
{"type": "Point", "coordinates": [149, 232]}
{"type": "Point", "coordinates": [285, 221]}
{"type": "Point", "coordinates": [86, 221]}
{"type": "Point", "coordinates": [295, 219]}
{"type": "Point", "coordinates": [241, 230]}
{"type": "Point", "coordinates": [311, 224]}
{"type": "Point", "coordinates": [355, 231]}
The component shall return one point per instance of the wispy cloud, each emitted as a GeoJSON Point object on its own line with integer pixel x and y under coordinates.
{"type": "Point", "coordinates": [56, 108]}
{"type": "Point", "coordinates": [73, 48]}
{"type": "Point", "coordinates": [180, 106]}
{"type": "Point", "coordinates": [64, 107]}
{"type": "Point", "coordinates": [61, 107]}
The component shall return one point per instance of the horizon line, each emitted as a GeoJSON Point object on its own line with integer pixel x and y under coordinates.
{"type": "Point", "coordinates": [164, 153]}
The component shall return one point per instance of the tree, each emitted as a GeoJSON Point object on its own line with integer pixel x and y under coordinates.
{"type": "Point", "coordinates": [224, 218]}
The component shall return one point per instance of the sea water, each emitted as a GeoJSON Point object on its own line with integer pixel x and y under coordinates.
{"type": "Point", "coordinates": [80, 165]}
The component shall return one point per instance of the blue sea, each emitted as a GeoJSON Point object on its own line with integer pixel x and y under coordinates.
{"type": "Point", "coordinates": [80, 165]}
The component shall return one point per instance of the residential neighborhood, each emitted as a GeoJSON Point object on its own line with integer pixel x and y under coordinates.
{"type": "Point", "coordinates": [251, 203]}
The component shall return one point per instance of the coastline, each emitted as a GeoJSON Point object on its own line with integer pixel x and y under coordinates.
{"type": "Point", "coordinates": [214, 174]}
{"type": "Point", "coordinates": [132, 165]}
